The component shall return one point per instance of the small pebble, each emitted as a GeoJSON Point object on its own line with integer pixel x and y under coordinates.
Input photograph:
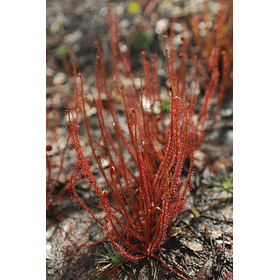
{"type": "Point", "coordinates": [59, 78]}
{"type": "Point", "coordinates": [176, 11]}
{"type": "Point", "coordinates": [162, 25]}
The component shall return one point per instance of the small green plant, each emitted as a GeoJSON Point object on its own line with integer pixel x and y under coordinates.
{"type": "Point", "coordinates": [165, 106]}
{"type": "Point", "coordinates": [114, 256]}
{"type": "Point", "coordinates": [225, 184]}
{"type": "Point", "coordinates": [62, 50]}
{"type": "Point", "coordinates": [111, 259]}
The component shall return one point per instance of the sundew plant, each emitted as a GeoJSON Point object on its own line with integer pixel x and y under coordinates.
{"type": "Point", "coordinates": [146, 148]}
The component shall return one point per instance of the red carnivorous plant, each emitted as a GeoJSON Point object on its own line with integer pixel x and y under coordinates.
{"type": "Point", "coordinates": [143, 203]}
{"type": "Point", "coordinates": [146, 150]}
{"type": "Point", "coordinates": [55, 163]}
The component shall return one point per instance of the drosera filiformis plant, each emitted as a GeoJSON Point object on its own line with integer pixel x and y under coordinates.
{"type": "Point", "coordinates": [140, 206]}
{"type": "Point", "coordinates": [143, 205]}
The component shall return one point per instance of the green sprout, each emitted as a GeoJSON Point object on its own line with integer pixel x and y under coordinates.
{"type": "Point", "coordinates": [115, 256]}
{"type": "Point", "coordinates": [141, 37]}
{"type": "Point", "coordinates": [225, 184]}
{"type": "Point", "coordinates": [165, 105]}
{"type": "Point", "coordinates": [112, 259]}
{"type": "Point", "coordinates": [109, 260]}
{"type": "Point", "coordinates": [62, 49]}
